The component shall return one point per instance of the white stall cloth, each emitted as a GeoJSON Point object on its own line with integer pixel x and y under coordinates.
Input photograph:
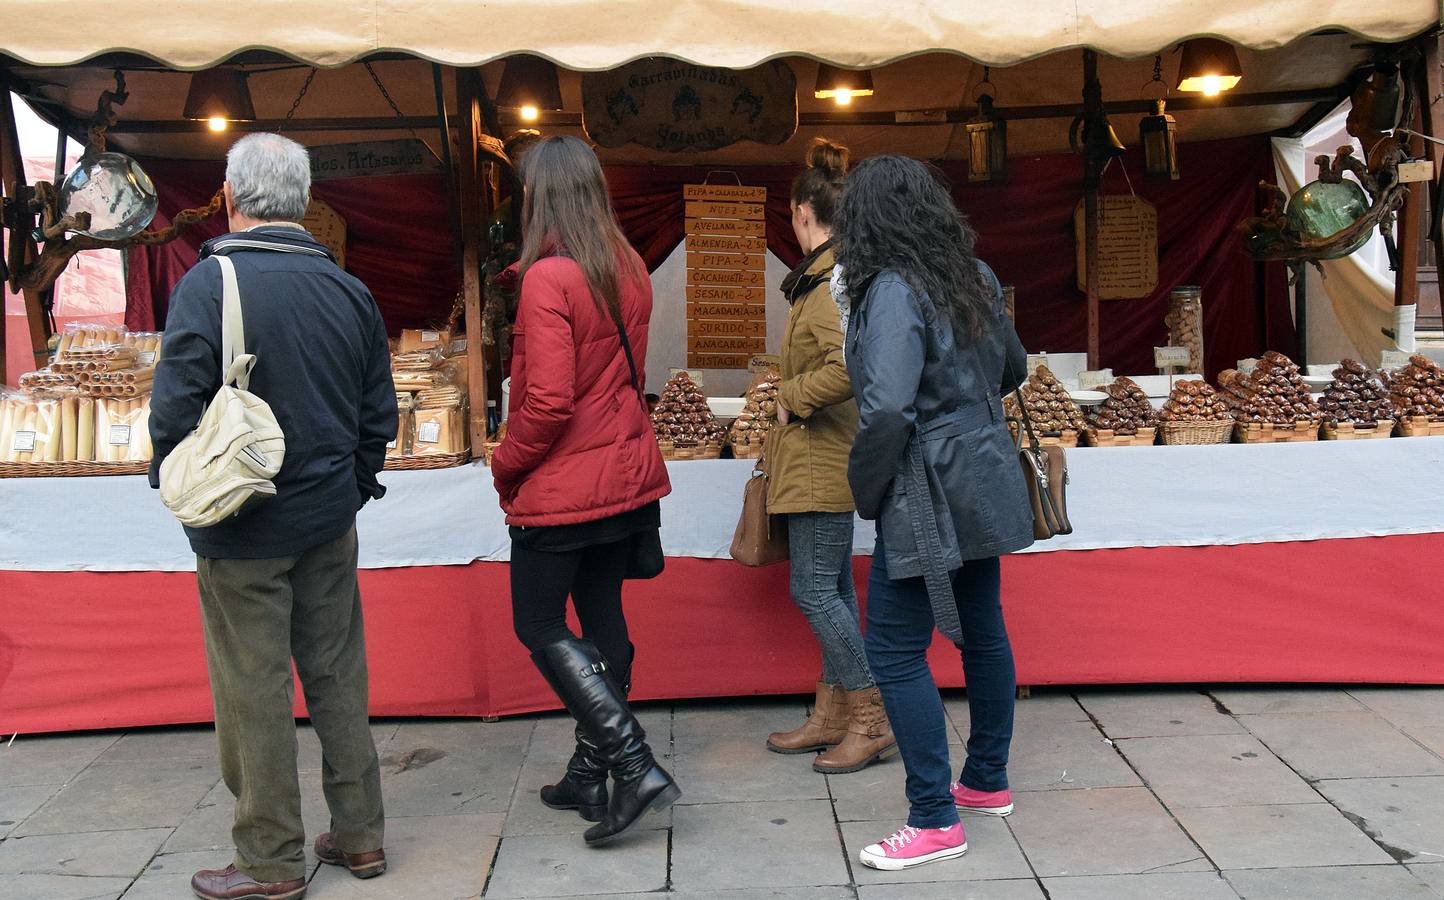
{"type": "Point", "coordinates": [1118, 497]}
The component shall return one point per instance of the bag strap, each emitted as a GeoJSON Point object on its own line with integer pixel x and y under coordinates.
{"type": "Point", "coordinates": [233, 329]}
{"type": "Point", "coordinates": [1033, 442]}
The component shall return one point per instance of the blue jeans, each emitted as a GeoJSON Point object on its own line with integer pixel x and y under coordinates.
{"type": "Point", "coordinates": [822, 587]}
{"type": "Point", "coordinates": [899, 632]}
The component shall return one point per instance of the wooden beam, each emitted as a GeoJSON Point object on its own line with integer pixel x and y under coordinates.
{"type": "Point", "coordinates": [1092, 180]}
{"type": "Point", "coordinates": [1432, 109]}
{"type": "Point", "coordinates": [12, 164]}
{"type": "Point", "coordinates": [473, 246]}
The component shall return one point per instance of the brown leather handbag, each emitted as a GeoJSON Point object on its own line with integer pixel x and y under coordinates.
{"type": "Point", "coordinates": [761, 538]}
{"type": "Point", "coordinates": [1045, 470]}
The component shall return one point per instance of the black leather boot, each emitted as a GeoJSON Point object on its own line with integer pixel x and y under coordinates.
{"type": "Point", "coordinates": [584, 786]}
{"type": "Point", "coordinates": [576, 671]}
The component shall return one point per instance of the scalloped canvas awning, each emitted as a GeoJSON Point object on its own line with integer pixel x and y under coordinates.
{"type": "Point", "coordinates": [583, 35]}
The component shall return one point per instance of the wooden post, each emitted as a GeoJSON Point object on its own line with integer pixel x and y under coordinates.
{"type": "Point", "coordinates": [1092, 179]}
{"type": "Point", "coordinates": [1411, 219]}
{"type": "Point", "coordinates": [1431, 86]}
{"type": "Point", "coordinates": [473, 245]}
{"type": "Point", "coordinates": [1301, 311]}
{"type": "Point", "coordinates": [12, 165]}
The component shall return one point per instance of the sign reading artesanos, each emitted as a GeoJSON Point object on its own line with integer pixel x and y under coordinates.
{"type": "Point", "coordinates": [726, 275]}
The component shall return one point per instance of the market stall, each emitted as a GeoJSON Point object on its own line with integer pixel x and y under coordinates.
{"type": "Point", "coordinates": [1250, 544]}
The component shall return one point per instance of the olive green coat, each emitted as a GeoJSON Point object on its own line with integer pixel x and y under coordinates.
{"type": "Point", "coordinates": [808, 457]}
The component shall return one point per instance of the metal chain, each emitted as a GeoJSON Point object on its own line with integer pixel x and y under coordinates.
{"type": "Point", "coordinates": [291, 113]}
{"type": "Point", "coordinates": [1158, 67]}
{"type": "Point", "coordinates": [386, 95]}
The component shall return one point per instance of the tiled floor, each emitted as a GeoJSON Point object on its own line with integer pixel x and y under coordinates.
{"type": "Point", "coordinates": [1122, 794]}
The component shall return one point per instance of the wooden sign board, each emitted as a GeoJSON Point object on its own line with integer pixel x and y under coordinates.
{"type": "Point", "coordinates": [706, 243]}
{"type": "Point", "coordinates": [748, 295]}
{"type": "Point", "coordinates": [729, 227]}
{"type": "Point", "coordinates": [404, 157]}
{"type": "Point", "coordinates": [751, 327]}
{"type": "Point", "coordinates": [737, 278]}
{"type": "Point", "coordinates": [705, 344]}
{"type": "Point", "coordinates": [1127, 247]}
{"type": "Point", "coordinates": [718, 360]}
{"type": "Point", "coordinates": [327, 226]}
{"type": "Point", "coordinates": [712, 209]}
{"type": "Point", "coordinates": [750, 261]}
{"type": "Point", "coordinates": [726, 311]}
{"type": "Point", "coordinates": [731, 193]}
{"type": "Point", "coordinates": [667, 104]}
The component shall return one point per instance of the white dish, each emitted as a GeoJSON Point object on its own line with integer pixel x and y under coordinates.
{"type": "Point", "coordinates": [727, 407]}
{"type": "Point", "coordinates": [1317, 383]}
{"type": "Point", "coordinates": [1088, 398]}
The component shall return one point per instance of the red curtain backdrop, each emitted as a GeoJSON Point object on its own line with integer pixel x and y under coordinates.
{"type": "Point", "coordinates": [400, 244]}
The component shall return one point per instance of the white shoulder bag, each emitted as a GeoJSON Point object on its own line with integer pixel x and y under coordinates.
{"type": "Point", "coordinates": [238, 447]}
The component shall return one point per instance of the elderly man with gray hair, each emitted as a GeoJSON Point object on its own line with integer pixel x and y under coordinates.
{"type": "Point", "coordinates": [278, 580]}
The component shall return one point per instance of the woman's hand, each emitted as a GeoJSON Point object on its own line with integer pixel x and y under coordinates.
{"type": "Point", "coordinates": [783, 416]}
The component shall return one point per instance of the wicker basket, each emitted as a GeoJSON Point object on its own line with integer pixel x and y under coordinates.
{"type": "Point", "coordinates": [1103, 437]}
{"type": "Point", "coordinates": [1267, 433]}
{"type": "Point", "coordinates": [1350, 431]}
{"type": "Point", "coordinates": [672, 453]}
{"type": "Point", "coordinates": [71, 469]}
{"type": "Point", "coordinates": [742, 450]}
{"type": "Point", "coordinates": [1216, 431]}
{"type": "Point", "coordinates": [429, 461]}
{"type": "Point", "coordinates": [1420, 426]}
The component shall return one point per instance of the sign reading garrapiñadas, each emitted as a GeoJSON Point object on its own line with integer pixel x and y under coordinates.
{"type": "Point", "coordinates": [403, 157]}
{"type": "Point", "coordinates": [667, 104]}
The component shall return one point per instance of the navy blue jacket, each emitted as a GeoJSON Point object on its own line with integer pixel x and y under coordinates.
{"type": "Point", "coordinates": [321, 363]}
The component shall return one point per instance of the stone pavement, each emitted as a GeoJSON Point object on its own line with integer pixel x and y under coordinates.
{"type": "Point", "coordinates": [1155, 794]}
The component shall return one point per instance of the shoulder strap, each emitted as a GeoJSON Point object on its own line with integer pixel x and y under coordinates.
{"type": "Point", "coordinates": [627, 349]}
{"type": "Point", "coordinates": [233, 329]}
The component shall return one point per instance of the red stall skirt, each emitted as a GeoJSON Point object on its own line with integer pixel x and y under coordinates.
{"type": "Point", "coordinates": [107, 650]}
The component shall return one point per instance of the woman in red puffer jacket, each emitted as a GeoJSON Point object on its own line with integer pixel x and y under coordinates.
{"type": "Point", "coordinates": [580, 475]}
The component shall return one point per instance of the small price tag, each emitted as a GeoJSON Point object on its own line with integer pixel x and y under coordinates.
{"type": "Point", "coordinates": [24, 442]}
{"type": "Point", "coordinates": [1088, 381]}
{"type": "Point", "coordinates": [1248, 365]}
{"type": "Point", "coordinates": [391, 444]}
{"type": "Point", "coordinates": [429, 432]}
{"type": "Point", "coordinates": [458, 345]}
{"type": "Point", "coordinates": [1416, 170]}
{"type": "Point", "coordinates": [695, 374]}
{"type": "Point", "coordinates": [119, 436]}
{"type": "Point", "coordinates": [430, 337]}
{"type": "Point", "coordinates": [762, 362]}
{"type": "Point", "coordinates": [145, 358]}
{"type": "Point", "coordinates": [1170, 357]}
{"type": "Point", "coordinates": [1035, 360]}
{"type": "Point", "coordinates": [1393, 359]}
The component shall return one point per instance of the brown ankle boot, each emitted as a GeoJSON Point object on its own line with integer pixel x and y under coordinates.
{"type": "Point", "coordinates": [869, 736]}
{"type": "Point", "coordinates": [826, 727]}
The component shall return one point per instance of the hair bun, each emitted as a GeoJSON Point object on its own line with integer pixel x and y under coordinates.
{"type": "Point", "coordinates": [830, 158]}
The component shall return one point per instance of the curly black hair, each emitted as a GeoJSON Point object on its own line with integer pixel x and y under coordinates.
{"type": "Point", "coordinates": [897, 214]}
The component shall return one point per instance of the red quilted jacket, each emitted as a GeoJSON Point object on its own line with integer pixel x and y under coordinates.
{"type": "Point", "coordinates": [579, 446]}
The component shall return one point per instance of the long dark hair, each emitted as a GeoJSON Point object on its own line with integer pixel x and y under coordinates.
{"type": "Point", "coordinates": [820, 184]}
{"type": "Point", "coordinates": [896, 214]}
{"type": "Point", "coordinates": [567, 209]}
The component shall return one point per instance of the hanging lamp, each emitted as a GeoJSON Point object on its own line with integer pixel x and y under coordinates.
{"type": "Point", "coordinates": [530, 84]}
{"type": "Point", "coordinates": [219, 97]}
{"type": "Point", "coordinates": [841, 85]}
{"type": "Point", "coordinates": [1158, 133]}
{"type": "Point", "coordinates": [987, 136]}
{"type": "Point", "coordinates": [1209, 66]}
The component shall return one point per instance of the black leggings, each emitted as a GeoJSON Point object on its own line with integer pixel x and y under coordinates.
{"type": "Point", "coordinates": [541, 582]}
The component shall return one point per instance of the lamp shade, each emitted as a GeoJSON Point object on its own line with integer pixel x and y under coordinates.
{"type": "Point", "coordinates": [833, 82]}
{"type": "Point", "coordinates": [1209, 66]}
{"type": "Point", "coordinates": [219, 94]}
{"type": "Point", "coordinates": [529, 81]}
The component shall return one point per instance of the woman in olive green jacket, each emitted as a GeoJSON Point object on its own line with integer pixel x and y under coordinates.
{"type": "Point", "coordinates": [807, 454]}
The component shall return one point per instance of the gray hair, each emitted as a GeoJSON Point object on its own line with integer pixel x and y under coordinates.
{"type": "Point", "coordinates": [270, 177]}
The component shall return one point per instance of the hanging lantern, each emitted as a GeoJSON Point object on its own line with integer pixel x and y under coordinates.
{"type": "Point", "coordinates": [987, 138]}
{"type": "Point", "coordinates": [529, 84]}
{"type": "Point", "coordinates": [1158, 133]}
{"type": "Point", "coordinates": [219, 97]}
{"type": "Point", "coordinates": [1209, 66]}
{"type": "Point", "coordinates": [841, 85]}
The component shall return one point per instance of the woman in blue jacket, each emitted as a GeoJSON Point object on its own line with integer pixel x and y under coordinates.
{"type": "Point", "coordinates": [929, 351]}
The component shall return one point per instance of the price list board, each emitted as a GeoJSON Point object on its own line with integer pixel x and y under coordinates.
{"type": "Point", "coordinates": [726, 275]}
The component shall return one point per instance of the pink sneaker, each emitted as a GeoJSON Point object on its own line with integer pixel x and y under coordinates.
{"type": "Point", "coordinates": [915, 847]}
{"type": "Point", "coordinates": [989, 803]}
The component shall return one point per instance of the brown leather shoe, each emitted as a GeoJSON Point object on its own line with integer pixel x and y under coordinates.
{"type": "Point", "coordinates": [231, 884]}
{"type": "Point", "coordinates": [362, 865]}
{"type": "Point", "coordinates": [826, 727]}
{"type": "Point", "coordinates": [869, 736]}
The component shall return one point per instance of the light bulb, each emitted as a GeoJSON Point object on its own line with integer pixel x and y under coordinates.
{"type": "Point", "coordinates": [530, 113]}
{"type": "Point", "coordinates": [843, 97]}
{"type": "Point", "coordinates": [217, 123]}
{"type": "Point", "coordinates": [1212, 85]}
